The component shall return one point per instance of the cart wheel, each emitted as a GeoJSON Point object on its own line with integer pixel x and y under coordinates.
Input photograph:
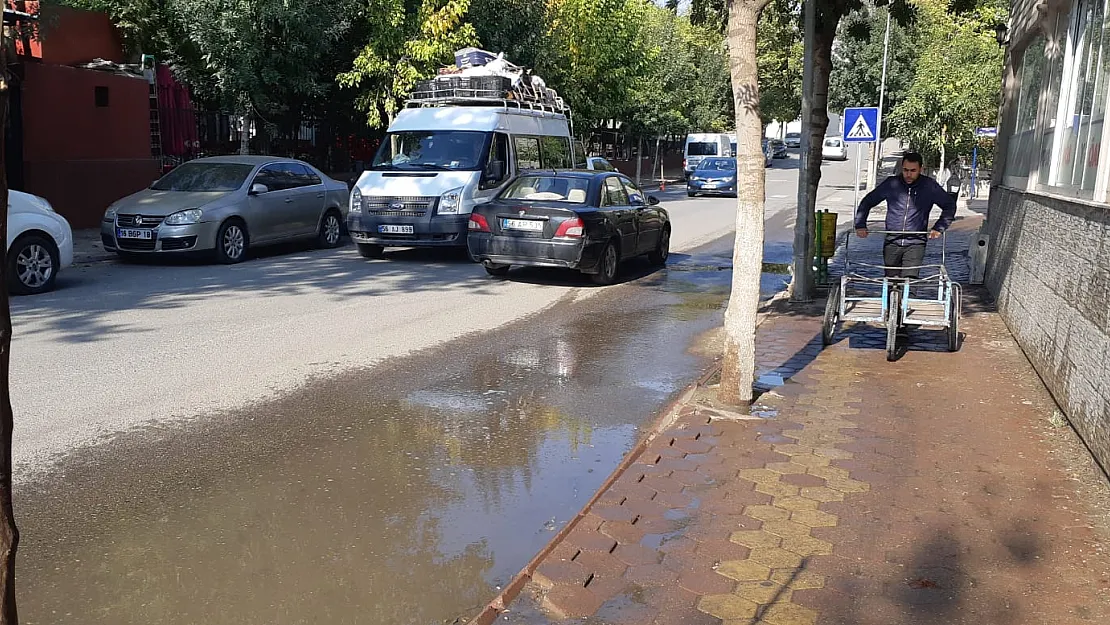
{"type": "Point", "coordinates": [954, 318]}
{"type": "Point", "coordinates": [893, 319]}
{"type": "Point", "coordinates": [832, 315]}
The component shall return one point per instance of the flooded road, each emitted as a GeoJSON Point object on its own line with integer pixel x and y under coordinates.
{"type": "Point", "coordinates": [403, 494]}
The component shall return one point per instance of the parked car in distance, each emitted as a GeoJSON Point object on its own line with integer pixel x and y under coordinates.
{"type": "Point", "coordinates": [793, 139]}
{"type": "Point", "coordinates": [834, 149]}
{"type": "Point", "coordinates": [597, 163]}
{"type": "Point", "coordinates": [40, 244]}
{"type": "Point", "coordinates": [716, 176]}
{"type": "Point", "coordinates": [583, 220]}
{"type": "Point", "coordinates": [778, 149]}
{"type": "Point", "coordinates": [768, 153]}
{"type": "Point", "coordinates": [225, 205]}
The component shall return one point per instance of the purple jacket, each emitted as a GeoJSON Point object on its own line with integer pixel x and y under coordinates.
{"type": "Point", "coordinates": [908, 207]}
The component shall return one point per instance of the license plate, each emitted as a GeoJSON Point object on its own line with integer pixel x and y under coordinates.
{"type": "Point", "coordinates": [392, 229]}
{"type": "Point", "coordinates": [530, 225]}
{"type": "Point", "coordinates": [124, 233]}
{"type": "Point", "coordinates": [710, 185]}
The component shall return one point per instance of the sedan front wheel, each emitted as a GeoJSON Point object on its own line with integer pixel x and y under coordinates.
{"type": "Point", "coordinates": [232, 242]}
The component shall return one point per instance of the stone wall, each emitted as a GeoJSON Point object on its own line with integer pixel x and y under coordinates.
{"type": "Point", "coordinates": [1049, 268]}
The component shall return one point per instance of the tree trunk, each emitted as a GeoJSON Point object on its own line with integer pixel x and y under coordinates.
{"type": "Point", "coordinates": [738, 366]}
{"type": "Point", "coordinates": [9, 533]}
{"type": "Point", "coordinates": [815, 122]}
{"type": "Point", "coordinates": [245, 134]}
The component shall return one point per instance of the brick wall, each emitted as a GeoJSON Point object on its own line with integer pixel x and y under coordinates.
{"type": "Point", "coordinates": [1049, 268]}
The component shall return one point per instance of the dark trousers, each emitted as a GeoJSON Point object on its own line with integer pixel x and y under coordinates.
{"type": "Point", "coordinates": [909, 256]}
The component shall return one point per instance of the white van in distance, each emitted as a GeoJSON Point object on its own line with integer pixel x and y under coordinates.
{"type": "Point", "coordinates": [704, 145]}
{"type": "Point", "coordinates": [442, 157]}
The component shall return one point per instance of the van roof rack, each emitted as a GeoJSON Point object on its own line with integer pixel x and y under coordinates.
{"type": "Point", "coordinates": [480, 97]}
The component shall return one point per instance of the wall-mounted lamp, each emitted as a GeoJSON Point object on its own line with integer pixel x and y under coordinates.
{"type": "Point", "coordinates": [1001, 34]}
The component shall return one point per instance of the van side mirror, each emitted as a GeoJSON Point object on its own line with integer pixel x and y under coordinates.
{"type": "Point", "coordinates": [495, 171]}
{"type": "Point", "coordinates": [653, 201]}
{"type": "Point", "coordinates": [258, 189]}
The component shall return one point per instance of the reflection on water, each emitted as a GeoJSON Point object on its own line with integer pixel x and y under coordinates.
{"type": "Point", "coordinates": [402, 495]}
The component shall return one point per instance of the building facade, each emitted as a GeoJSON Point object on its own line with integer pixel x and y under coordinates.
{"type": "Point", "coordinates": [1049, 214]}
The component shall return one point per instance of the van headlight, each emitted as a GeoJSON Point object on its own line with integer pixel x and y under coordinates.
{"type": "Point", "coordinates": [450, 203]}
{"type": "Point", "coordinates": [356, 201]}
{"type": "Point", "coordinates": [184, 218]}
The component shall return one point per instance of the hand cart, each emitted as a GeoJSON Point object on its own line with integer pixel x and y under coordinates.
{"type": "Point", "coordinates": [894, 302]}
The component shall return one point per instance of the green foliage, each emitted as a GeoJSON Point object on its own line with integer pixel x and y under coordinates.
{"type": "Point", "coordinates": [858, 62]}
{"type": "Point", "coordinates": [956, 85]}
{"type": "Point", "coordinates": [779, 48]}
{"type": "Point", "coordinates": [407, 41]}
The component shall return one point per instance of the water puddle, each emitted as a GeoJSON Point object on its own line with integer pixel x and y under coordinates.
{"type": "Point", "coordinates": [407, 494]}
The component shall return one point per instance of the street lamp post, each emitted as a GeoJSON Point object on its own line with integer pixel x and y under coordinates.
{"type": "Point", "coordinates": [873, 171]}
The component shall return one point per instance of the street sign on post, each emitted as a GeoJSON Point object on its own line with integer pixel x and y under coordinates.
{"type": "Point", "coordinates": [986, 132]}
{"type": "Point", "coordinates": [861, 125]}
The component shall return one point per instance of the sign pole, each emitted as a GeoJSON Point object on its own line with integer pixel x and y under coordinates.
{"type": "Point", "coordinates": [974, 169]}
{"type": "Point", "coordinates": [855, 189]}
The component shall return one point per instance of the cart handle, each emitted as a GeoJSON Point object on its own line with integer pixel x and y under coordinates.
{"type": "Point", "coordinates": [943, 242]}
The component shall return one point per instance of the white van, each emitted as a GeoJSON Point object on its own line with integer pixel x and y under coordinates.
{"type": "Point", "coordinates": [700, 146]}
{"type": "Point", "coordinates": [439, 159]}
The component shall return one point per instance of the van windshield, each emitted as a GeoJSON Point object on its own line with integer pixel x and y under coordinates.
{"type": "Point", "coordinates": [701, 149]}
{"type": "Point", "coordinates": [432, 149]}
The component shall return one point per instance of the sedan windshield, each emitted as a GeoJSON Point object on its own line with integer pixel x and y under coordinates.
{"type": "Point", "coordinates": [432, 149]}
{"type": "Point", "coordinates": [548, 189]}
{"type": "Point", "coordinates": [718, 164]}
{"type": "Point", "coordinates": [201, 177]}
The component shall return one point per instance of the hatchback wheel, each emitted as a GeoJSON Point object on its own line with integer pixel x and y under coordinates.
{"type": "Point", "coordinates": [607, 266]}
{"type": "Point", "coordinates": [232, 242]}
{"type": "Point", "coordinates": [33, 265]}
{"type": "Point", "coordinates": [331, 229]}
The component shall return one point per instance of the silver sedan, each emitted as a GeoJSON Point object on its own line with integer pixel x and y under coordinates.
{"type": "Point", "coordinates": [225, 205]}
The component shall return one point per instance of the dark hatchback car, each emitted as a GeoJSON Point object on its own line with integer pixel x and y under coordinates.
{"type": "Point", "coordinates": [584, 220]}
{"type": "Point", "coordinates": [778, 149]}
{"type": "Point", "coordinates": [714, 176]}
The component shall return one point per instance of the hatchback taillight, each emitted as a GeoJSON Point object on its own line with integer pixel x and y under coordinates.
{"type": "Point", "coordinates": [477, 223]}
{"type": "Point", "coordinates": [570, 229]}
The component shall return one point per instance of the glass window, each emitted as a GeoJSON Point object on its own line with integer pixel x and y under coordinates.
{"type": "Point", "coordinates": [1074, 136]}
{"type": "Point", "coordinates": [527, 152]}
{"type": "Point", "coordinates": [296, 175]}
{"type": "Point", "coordinates": [433, 150]}
{"type": "Point", "coordinates": [614, 192]}
{"type": "Point", "coordinates": [548, 189]}
{"type": "Point", "coordinates": [701, 149]}
{"type": "Point", "coordinates": [209, 176]}
{"type": "Point", "coordinates": [1034, 66]}
{"type": "Point", "coordinates": [635, 195]}
{"type": "Point", "coordinates": [556, 153]}
{"type": "Point", "coordinates": [498, 153]}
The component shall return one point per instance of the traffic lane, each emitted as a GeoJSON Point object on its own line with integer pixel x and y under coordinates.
{"type": "Point", "coordinates": [405, 494]}
{"type": "Point", "coordinates": [118, 345]}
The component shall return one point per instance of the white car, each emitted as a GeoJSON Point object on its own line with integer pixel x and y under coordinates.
{"type": "Point", "coordinates": [40, 243]}
{"type": "Point", "coordinates": [834, 149]}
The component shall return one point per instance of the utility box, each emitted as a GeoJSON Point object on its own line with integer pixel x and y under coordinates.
{"type": "Point", "coordinates": [978, 257]}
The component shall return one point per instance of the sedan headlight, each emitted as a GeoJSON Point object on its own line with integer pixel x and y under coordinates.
{"type": "Point", "coordinates": [451, 202]}
{"type": "Point", "coordinates": [110, 214]}
{"type": "Point", "coordinates": [356, 201]}
{"type": "Point", "coordinates": [184, 218]}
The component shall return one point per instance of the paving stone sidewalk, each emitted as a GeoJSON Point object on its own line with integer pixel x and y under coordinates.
{"type": "Point", "coordinates": [935, 489]}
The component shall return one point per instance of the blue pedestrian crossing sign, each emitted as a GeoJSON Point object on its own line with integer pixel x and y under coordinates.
{"type": "Point", "coordinates": [861, 124]}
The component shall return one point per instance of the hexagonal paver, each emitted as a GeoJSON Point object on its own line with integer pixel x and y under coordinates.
{"type": "Point", "coordinates": [798, 580]}
{"type": "Point", "coordinates": [777, 489]}
{"type": "Point", "coordinates": [786, 528]}
{"type": "Point", "coordinates": [633, 555]}
{"type": "Point", "coordinates": [759, 476]}
{"type": "Point", "coordinates": [834, 453]}
{"type": "Point", "coordinates": [775, 557]}
{"type": "Point", "coordinates": [650, 575]}
{"type": "Point", "coordinates": [744, 570]}
{"type": "Point", "coordinates": [794, 449]}
{"type": "Point", "coordinates": [823, 494]}
{"type": "Point", "coordinates": [705, 583]}
{"type": "Point", "coordinates": [803, 480]}
{"type": "Point", "coordinates": [566, 602]}
{"type": "Point", "coordinates": [755, 539]}
{"type": "Point", "coordinates": [795, 503]}
{"type": "Point", "coordinates": [786, 468]}
{"type": "Point", "coordinates": [762, 592]}
{"type": "Point", "coordinates": [788, 614]}
{"type": "Point", "coordinates": [828, 472]}
{"type": "Point", "coordinates": [814, 518]}
{"type": "Point", "coordinates": [767, 513]}
{"type": "Point", "coordinates": [728, 607]}
{"type": "Point", "coordinates": [613, 513]}
{"type": "Point", "coordinates": [551, 573]}
{"type": "Point", "coordinates": [807, 546]}
{"type": "Point", "coordinates": [810, 460]}
{"type": "Point", "coordinates": [848, 485]}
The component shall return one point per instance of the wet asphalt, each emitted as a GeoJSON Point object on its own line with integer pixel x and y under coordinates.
{"type": "Point", "coordinates": [407, 493]}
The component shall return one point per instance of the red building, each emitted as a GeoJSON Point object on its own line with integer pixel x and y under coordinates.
{"type": "Point", "coordinates": [79, 137]}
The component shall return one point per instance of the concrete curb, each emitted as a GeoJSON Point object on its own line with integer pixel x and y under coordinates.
{"type": "Point", "coordinates": [665, 420]}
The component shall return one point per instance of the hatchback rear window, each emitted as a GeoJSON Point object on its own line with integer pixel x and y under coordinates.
{"type": "Point", "coordinates": [548, 189]}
